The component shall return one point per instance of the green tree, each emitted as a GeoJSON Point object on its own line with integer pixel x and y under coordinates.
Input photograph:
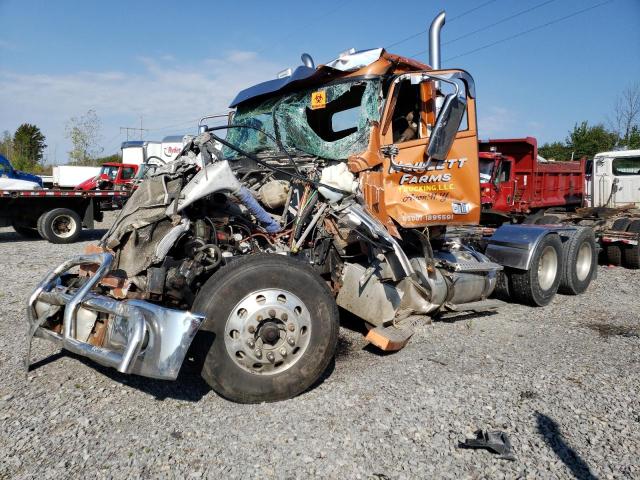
{"type": "Point", "coordinates": [115, 158]}
{"type": "Point", "coordinates": [555, 151]}
{"type": "Point", "coordinates": [28, 147]}
{"type": "Point", "coordinates": [589, 140]}
{"type": "Point", "coordinates": [633, 140]}
{"type": "Point", "coordinates": [6, 144]}
{"type": "Point", "coordinates": [84, 133]}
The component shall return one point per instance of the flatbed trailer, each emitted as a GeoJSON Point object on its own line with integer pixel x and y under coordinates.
{"type": "Point", "coordinates": [57, 216]}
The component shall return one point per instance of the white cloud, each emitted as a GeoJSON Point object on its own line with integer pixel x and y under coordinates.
{"type": "Point", "coordinates": [496, 122]}
{"type": "Point", "coordinates": [166, 92]}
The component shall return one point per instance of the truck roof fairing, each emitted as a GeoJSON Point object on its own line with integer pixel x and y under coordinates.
{"type": "Point", "coordinates": [368, 63]}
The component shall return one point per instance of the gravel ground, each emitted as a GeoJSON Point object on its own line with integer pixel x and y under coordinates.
{"type": "Point", "coordinates": [562, 381]}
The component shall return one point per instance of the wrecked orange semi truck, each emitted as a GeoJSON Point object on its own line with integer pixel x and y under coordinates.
{"type": "Point", "coordinates": [352, 184]}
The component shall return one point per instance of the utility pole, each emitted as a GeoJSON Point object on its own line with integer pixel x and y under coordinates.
{"type": "Point", "coordinates": [134, 130]}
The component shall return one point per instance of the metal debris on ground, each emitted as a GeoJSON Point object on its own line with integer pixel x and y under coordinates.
{"type": "Point", "coordinates": [495, 441]}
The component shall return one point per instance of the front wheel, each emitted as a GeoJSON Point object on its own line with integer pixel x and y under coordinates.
{"type": "Point", "coordinates": [538, 285]}
{"type": "Point", "coordinates": [271, 329]}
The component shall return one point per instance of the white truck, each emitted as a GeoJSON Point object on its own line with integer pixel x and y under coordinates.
{"type": "Point", "coordinates": [68, 176]}
{"type": "Point", "coordinates": [612, 207]}
{"type": "Point", "coordinates": [152, 152]}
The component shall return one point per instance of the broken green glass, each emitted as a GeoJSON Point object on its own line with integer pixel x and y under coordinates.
{"type": "Point", "coordinates": [336, 128]}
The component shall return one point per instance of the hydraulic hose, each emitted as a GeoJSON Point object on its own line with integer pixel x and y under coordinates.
{"type": "Point", "coordinates": [248, 200]}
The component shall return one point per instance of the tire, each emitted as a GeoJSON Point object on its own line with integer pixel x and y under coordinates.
{"type": "Point", "coordinates": [39, 225]}
{"type": "Point", "coordinates": [26, 232]}
{"type": "Point", "coordinates": [538, 285]}
{"type": "Point", "coordinates": [267, 376]}
{"type": "Point", "coordinates": [60, 225]}
{"type": "Point", "coordinates": [631, 253]}
{"type": "Point", "coordinates": [579, 261]}
{"type": "Point", "coordinates": [547, 220]}
{"type": "Point", "coordinates": [614, 255]}
{"type": "Point", "coordinates": [621, 224]}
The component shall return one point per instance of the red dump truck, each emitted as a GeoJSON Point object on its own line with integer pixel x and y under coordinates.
{"type": "Point", "coordinates": [517, 183]}
{"type": "Point", "coordinates": [518, 186]}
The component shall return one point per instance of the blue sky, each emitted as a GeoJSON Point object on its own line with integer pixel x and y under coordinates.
{"type": "Point", "coordinates": [172, 62]}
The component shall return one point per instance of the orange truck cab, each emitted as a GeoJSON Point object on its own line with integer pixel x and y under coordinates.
{"type": "Point", "coordinates": [111, 176]}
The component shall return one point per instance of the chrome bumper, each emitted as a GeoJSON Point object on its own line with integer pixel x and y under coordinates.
{"type": "Point", "coordinates": [142, 338]}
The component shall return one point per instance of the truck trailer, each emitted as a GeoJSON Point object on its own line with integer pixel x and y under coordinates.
{"type": "Point", "coordinates": [352, 184]}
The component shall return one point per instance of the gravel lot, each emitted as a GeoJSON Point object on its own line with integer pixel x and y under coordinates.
{"type": "Point", "coordinates": [562, 381]}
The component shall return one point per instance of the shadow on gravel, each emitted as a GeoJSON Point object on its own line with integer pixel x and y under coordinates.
{"type": "Point", "coordinates": [189, 385]}
{"type": "Point", "coordinates": [552, 436]}
{"type": "Point", "coordinates": [462, 316]}
{"type": "Point", "coordinates": [85, 236]}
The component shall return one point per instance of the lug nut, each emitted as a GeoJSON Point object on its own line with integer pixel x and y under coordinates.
{"type": "Point", "coordinates": [283, 352]}
{"type": "Point", "coordinates": [251, 329]}
{"type": "Point", "coordinates": [270, 357]}
{"type": "Point", "coordinates": [284, 317]}
{"type": "Point", "coordinates": [251, 343]}
{"type": "Point", "coordinates": [272, 313]}
{"type": "Point", "coordinates": [258, 353]}
{"type": "Point", "coordinates": [291, 341]}
{"type": "Point", "coordinates": [259, 318]}
{"type": "Point", "coordinates": [291, 327]}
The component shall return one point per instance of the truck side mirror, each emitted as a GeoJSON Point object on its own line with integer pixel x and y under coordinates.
{"type": "Point", "coordinates": [446, 126]}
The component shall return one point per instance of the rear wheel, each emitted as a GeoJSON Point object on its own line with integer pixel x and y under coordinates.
{"type": "Point", "coordinates": [579, 261]}
{"type": "Point", "coordinates": [270, 332]}
{"type": "Point", "coordinates": [614, 255]}
{"type": "Point", "coordinates": [621, 224]}
{"type": "Point", "coordinates": [538, 285]}
{"type": "Point", "coordinates": [631, 253]}
{"type": "Point", "coordinates": [60, 225]}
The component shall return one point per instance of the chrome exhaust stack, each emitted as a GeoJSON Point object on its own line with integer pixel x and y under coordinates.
{"type": "Point", "coordinates": [434, 40]}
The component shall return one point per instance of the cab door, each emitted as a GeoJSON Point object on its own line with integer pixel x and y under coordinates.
{"type": "Point", "coordinates": [504, 182]}
{"type": "Point", "coordinates": [626, 180]}
{"type": "Point", "coordinates": [420, 190]}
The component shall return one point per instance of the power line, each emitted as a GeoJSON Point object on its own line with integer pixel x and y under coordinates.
{"type": "Point", "coordinates": [417, 34]}
{"type": "Point", "coordinates": [524, 32]}
{"type": "Point", "coordinates": [486, 27]}
{"type": "Point", "coordinates": [510, 17]}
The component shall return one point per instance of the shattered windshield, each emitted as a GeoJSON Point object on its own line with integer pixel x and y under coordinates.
{"type": "Point", "coordinates": [331, 122]}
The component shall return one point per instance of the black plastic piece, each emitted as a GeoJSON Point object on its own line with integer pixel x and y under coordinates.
{"type": "Point", "coordinates": [495, 441]}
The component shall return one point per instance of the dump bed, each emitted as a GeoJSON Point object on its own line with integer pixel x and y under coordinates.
{"type": "Point", "coordinates": [540, 183]}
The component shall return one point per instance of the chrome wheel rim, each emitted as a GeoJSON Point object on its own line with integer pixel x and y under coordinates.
{"type": "Point", "coordinates": [268, 331]}
{"type": "Point", "coordinates": [583, 261]}
{"type": "Point", "coordinates": [547, 267]}
{"type": "Point", "coordinates": [63, 226]}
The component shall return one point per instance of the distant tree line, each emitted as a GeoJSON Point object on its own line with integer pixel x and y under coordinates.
{"type": "Point", "coordinates": [622, 132]}
{"type": "Point", "coordinates": [25, 147]}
